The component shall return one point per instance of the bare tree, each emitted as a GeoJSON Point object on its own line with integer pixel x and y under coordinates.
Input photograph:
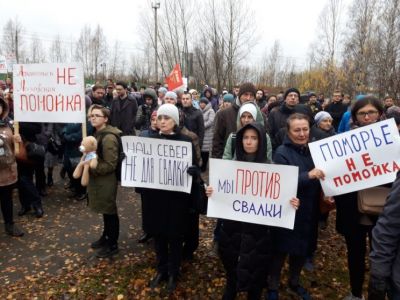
{"type": "Point", "coordinates": [328, 40]}
{"type": "Point", "coordinates": [98, 49]}
{"type": "Point", "coordinates": [37, 51]}
{"type": "Point", "coordinates": [359, 42]}
{"type": "Point", "coordinates": [386, 56]}
{"type": "Point", "coordinates": [91, 50]}
{"type": "Point", "coordinates": [57, 51]}
{"type": "Point", "coordinates": [12, 39]}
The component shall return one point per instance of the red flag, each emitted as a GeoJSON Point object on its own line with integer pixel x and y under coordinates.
{"type": "Point", "coordinates": [174, 79]}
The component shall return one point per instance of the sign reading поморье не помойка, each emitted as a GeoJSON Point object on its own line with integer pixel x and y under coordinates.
{"type": "Point", "coordinates": [358, 159]}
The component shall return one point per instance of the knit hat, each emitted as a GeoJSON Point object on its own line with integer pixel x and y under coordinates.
{"type": "Point", "coordinates": [250, 108]}
{"type": "Point", "coordinates": [322, 115]}
{"type": "Point", "coordinates": [204, 100]}
{"type": "Point", "coordinates": [247, 87]}
{"type": "Point", "coordinates": [228, 98]}
{"type": "Point", "coordinates": [171, 95]}
{"type": "Point", "coordinates": [192, 91]}
{"type": "Point", "coordinates": [169, 110]}
{"type": "Point", "coordinates": [162, 90]}
{"type": "Point", "coordinates": [291, 90]}
{"type": "Point", "coordinates": [153, 114]}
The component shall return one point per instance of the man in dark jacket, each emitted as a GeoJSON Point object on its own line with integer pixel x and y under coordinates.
{"type": "Point", "coordinates": [385, 255]}
{"type": "Point", "coordinates": [123, 110]}
{"type": "Point", "coordinates": [260, 98]}
{"type": "Point", "coordinates": [193, 117]}
{"type": "Point", "coordinates": [225, 120]}
{"type": "Point", "coordinates": [336, 109]}
{"type": "Point", "coordinates": [97, 95]}
{"type": "Point", "coordinates": [278, 115]}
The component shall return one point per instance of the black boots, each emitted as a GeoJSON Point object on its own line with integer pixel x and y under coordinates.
{"type": "Point", "coordinates": [144, 238]}
{"type": "Point", "coordinates": [156, 280]}
{"type": "Point", "coordinates": [13, 230]}
{"type": "Point", "coordinates": [172, 281]}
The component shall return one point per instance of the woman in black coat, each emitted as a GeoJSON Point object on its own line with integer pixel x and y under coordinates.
{"type": "Point", "coordinates": [354, 226]}
{"type": "Point", "coordinates": [167, 211]}
{"type": "Point", "coordinates": [245, 248]}
{"type": "Point", "coordinates": [296, 243]}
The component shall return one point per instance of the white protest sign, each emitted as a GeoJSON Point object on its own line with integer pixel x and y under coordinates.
{"type": "Point", "coordinates": [51, 93]}
{"type": "Point", "coordinates": [3, 65]}
{"type": "Point", "coordinates": [358, 159]}
{"type": "Point", "coordinates": [156, 164]}
{"type": "Point", "coordinates": [253, 192]}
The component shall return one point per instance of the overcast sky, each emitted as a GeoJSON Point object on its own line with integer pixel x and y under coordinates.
{"type": "Point", "coordinates": [292, 22]}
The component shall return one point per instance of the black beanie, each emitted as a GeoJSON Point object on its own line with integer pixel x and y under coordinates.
{"type": "Point", "coordinates": [204, 100]}
{"type": "Point", "coordinates": [247, 87]}
{"type": "Point", "coordinates": [291, 90]}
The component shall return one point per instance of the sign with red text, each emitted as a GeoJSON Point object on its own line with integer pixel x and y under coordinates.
{"type": "Point", "coordinates": [156, 164]}
{"type": "Point", "coordinates": [358, 159]}
{"type": "Point", "coordinates": [174, 79]}
{"type": "Point", "coordinates": [252, 192]}
{"type": "Point", "coordinates": [51, 93]}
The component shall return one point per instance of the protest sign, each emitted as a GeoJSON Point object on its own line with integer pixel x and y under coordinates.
{"type": "Point", "coordinates": [51, 93]}
{"type": "Point", "coordinates": [156, 164]}
{"type": "Point", "coordinates": [358, 159]}
{"type": "Point", "coordinates": [253, 192]}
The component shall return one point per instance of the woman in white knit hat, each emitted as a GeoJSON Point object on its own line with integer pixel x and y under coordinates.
{"type": "Point", "coordinates": [167, 211]}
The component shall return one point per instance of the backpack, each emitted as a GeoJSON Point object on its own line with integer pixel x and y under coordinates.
{"type": "Point", "coordinates": [121, 154]}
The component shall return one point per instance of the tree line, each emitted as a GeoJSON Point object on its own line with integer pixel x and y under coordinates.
{"type": "Point", "coordinates": [356, 49]}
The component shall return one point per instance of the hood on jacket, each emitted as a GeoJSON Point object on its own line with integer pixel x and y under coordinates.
{"type": "Point", "coordinates": [259, 119]}
{"type": "Point", "coordinates": [262, 142]}
{"type": "Point", "coordinates": [5, 112]}
{"type": "Point", "coordinates": [152, 94]}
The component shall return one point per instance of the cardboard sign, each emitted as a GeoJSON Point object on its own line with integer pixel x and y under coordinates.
{"type": "Point", "coordinates": [253, 192]}
{"type": "Point", "coordinates": [156, 164]}
{"type": "Point", "coordinates": [51, 93]}
{"type": "Point", "coordinates": [358, 159]}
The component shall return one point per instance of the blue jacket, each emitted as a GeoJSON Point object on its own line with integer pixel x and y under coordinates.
{"type": "Point", "coordinates": [302, 239]}
{"type": "Point", "coordinates": [344, 124]}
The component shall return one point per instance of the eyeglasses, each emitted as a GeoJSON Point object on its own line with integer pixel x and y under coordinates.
{"type": "Point", "coordinates": [96, 116]}
{"type": "Point", "coordinates": [367, 113]}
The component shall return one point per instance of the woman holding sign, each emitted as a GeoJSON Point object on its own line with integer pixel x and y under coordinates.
{"type": "Point", "coordinates": [245, 248]}
{"type": "Point", "coordinates": [354, 226]}
{"type": "Point", "coordinates": [167, 212]}
{"type": "Point", "coordinates": [301, 241]}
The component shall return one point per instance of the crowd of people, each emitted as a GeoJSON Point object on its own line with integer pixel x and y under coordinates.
{"type": "Point", "coordinates": [246, 124]}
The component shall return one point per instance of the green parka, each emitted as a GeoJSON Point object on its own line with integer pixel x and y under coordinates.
{"type": "Point", "coordinates": [102, 188]}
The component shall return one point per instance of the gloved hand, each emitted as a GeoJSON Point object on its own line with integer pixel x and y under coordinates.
{"type": "Point", "coordinates": [194, 171]}
{"type": "Point", "coordinates": [377, 288]}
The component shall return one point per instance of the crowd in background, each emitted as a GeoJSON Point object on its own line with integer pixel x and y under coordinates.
{"type": "Point", "coordinates": [245, 124]}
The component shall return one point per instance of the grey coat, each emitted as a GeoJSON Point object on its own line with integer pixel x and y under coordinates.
{"type": "Point", "coordinates": [208, 116]}
{"type": "Point", "coordinates": [385, 257]}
